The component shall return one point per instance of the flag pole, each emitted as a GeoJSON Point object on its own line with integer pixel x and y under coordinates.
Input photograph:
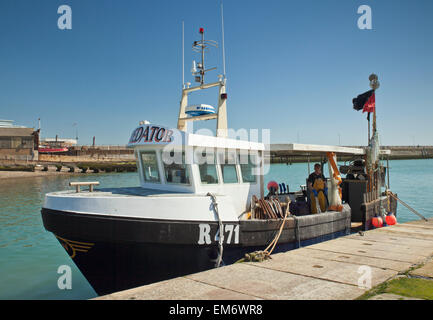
{"type": "Point", "coordinates": [368, 129]}
{"type": "Point", "coordinates": [374, 84]}
{"type": "Point", "coordinates": [374, 120]}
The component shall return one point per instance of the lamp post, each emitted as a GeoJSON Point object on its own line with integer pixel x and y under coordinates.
{"type": "Point", "coordinates": [76, 130]}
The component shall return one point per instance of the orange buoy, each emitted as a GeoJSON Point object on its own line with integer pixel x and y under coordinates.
{"type": "Point", "coordinates": [272, 184]}
{"type": "Point", "coordinates": [377, 222]}
{"type": "Point", "coordinates": [390, 219]}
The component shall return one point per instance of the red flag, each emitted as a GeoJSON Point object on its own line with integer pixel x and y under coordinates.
{"type": "Point", "coordinates": [370, 105]}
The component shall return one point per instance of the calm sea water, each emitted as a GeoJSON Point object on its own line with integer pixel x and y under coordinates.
{"type": "Point", "coordinates": [31, 256]}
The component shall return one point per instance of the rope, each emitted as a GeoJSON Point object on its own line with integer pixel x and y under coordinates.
{"type": "Point", "coordinates": [274, 242]}
{"type": "Point", "coordinates": [220, 231]}
{"type": "Point", "coordinates": [266, 254]}
{"type": "Point", "coordinates": [267, 209]}
{"type": "Point", "coordinates": [407, 206]}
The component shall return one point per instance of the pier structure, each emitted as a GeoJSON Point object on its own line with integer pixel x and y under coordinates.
{"type": "Point", "coordinates": [84, 159]}
{"type": "Point", "coordinates": [341, 269]}
{"type": "Point", "coordinates": [281, 153]}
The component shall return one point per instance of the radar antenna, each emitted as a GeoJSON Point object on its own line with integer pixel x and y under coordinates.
{"type": "Point", "coordinates": [201, 46]}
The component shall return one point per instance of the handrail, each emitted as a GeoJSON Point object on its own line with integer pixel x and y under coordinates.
{"type": "Point", "coordinates": [86, 183]}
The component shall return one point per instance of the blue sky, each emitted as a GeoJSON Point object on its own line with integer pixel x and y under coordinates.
{"type": "Point", "coordinates": [292, 67]}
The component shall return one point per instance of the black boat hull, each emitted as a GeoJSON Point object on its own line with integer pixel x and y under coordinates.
{"type": "Point", "coordinates": [116, 253]}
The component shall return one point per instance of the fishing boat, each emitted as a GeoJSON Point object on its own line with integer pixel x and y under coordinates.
{"type": "Point", "coordinates": [48, 149]}
{"type": "Point", "coordinates": [55, 145]}
{"type": "Point", "coordinates": [201, 203]}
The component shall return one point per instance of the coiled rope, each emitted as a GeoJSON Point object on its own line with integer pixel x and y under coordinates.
{"type": "Point", "coordinates": [268, 209]}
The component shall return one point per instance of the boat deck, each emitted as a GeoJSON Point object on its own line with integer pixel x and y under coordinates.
{"type": "Point", "coordinates": [121, 192]}
{"type": "Point", "coordinates": [337, 269]}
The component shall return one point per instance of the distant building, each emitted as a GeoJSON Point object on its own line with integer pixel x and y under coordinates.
{"type": "Point", "coordinates": [18, 142]}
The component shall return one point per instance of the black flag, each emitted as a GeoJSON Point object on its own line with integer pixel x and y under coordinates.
{"type": "Point", "coordinates": [360, 101]}
{"type": "Point", "coordinates": [364, 102]}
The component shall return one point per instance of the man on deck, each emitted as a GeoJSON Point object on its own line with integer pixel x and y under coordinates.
{"type": "Point", "coordinates": [318, 188]}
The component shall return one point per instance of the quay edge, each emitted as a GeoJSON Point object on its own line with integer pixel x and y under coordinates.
{"type": "Point", "coordinates": [327, 270]}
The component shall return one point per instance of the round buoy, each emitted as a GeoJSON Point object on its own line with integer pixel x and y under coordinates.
{"type": "Point", "coordinates": [272, 184]}
{"type": "Point", "coordinates": [377, 222]}
{"type": "Point", "coordinates": [390, 219]}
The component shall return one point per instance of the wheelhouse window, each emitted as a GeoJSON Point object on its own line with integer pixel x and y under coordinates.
{"type": "Point", "coordinates": [176, 172]}
{"type": "Point", "coordinates": [228, 166]}
{"type": "Point", "coordinates": [248, 165]}
{"type": "Point", "coordinates": [149, 163]}
{"type": "Point", "coordinates": [207, 166]}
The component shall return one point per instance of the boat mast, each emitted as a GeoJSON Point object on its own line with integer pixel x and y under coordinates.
{"type": "Point", "coordinates": [198, 70]}
{"type": "Point", "coordinates": [222, 42]}
{"type": "Point", "coordinates": [183, 55]}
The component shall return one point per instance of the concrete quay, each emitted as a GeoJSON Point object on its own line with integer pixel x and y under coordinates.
{"type": "Point", "coordinates": [338, 269]}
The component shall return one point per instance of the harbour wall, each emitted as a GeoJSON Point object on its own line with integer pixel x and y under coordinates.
{"type": "Point", "coordinates": [92, 154]}
{"type": "Point", "coordinates": [77, 159]}
{"type": "Point", "coordinates": [121, 154]}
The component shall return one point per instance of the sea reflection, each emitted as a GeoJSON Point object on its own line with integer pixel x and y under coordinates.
{"type": "Point", "coordinates": [29, 255]}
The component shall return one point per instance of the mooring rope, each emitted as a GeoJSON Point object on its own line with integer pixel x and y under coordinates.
{"type": "Point", "coordinates": [274, 242]}
{"type": "Point", "coordinates": [406, 205]}
{"type": "Point", "coordinates": [220, 231]}
{"type": "Point", "coordinates": [266, 254]}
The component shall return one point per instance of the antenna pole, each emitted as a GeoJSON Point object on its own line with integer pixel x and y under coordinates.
{"type": "Point", "coordinates": [222, 28]}
{"type": "Point", "coordinates": [202, 58]}
{"type": "Point", "coordinates": [183, 55]}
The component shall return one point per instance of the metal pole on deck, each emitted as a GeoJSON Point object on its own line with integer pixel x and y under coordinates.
{"type": "Point", "coordinates": [183, 55]}
{"type": "Point", "coordinates": [374, 84]}
{"type": "Point", "coordinates": [387, 168]}
{"type": "Point", "coordinates": [368, 129]}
